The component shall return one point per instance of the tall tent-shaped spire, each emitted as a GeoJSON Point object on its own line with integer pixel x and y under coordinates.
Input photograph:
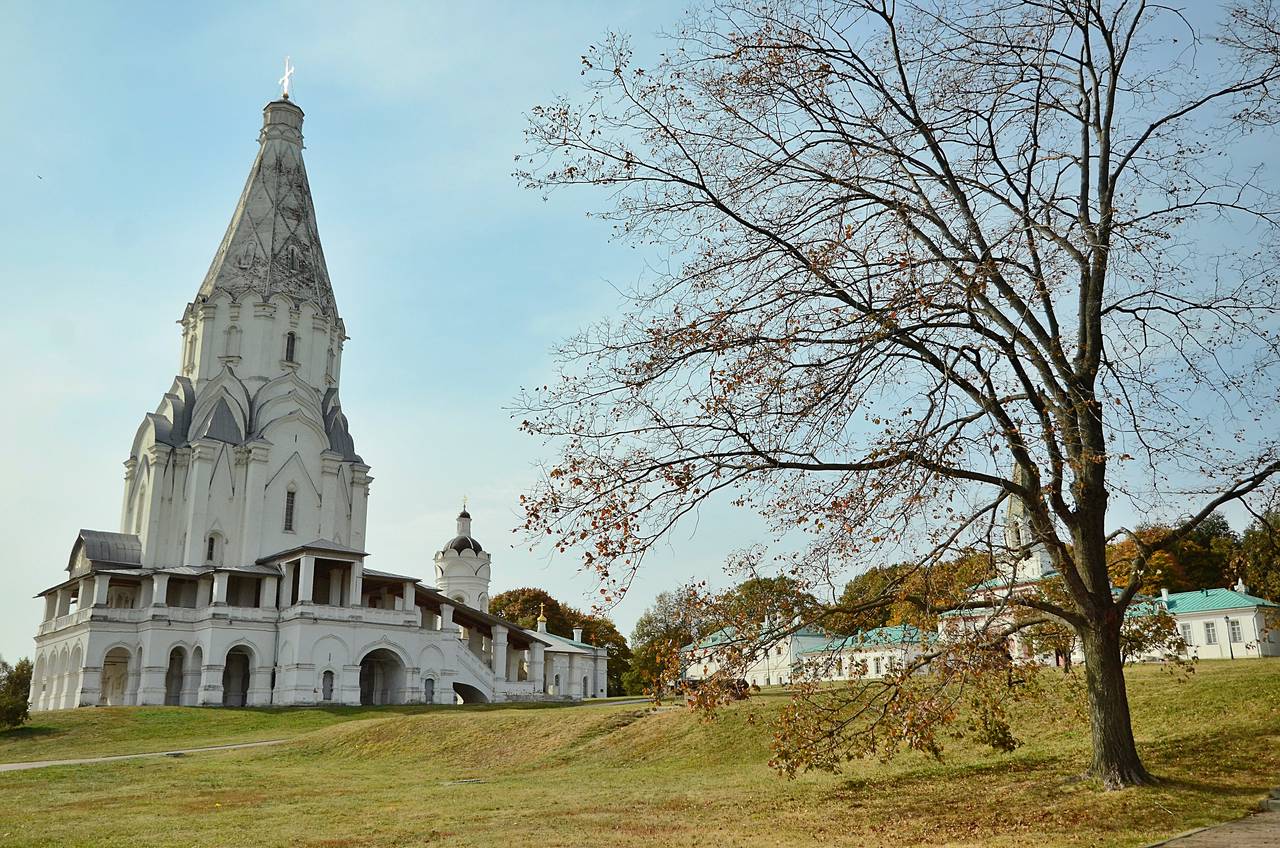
{"type": "Point", "coordinates": [272, 245]}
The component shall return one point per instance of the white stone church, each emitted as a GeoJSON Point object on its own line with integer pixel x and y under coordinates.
{"type": "Point", "coordinates": [237, 576]}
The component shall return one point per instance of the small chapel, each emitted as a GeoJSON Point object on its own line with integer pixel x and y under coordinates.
{"type": "Point", "coordinates": [237, 576]}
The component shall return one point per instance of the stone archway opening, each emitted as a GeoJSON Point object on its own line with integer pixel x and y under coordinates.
{"type": "Point", "coordinates": [235, 677]}
{"type": "Point", "coordinates": [115, 678]}
{"type": "Point", "coordinates": [175, 677]}
{"type": "Point", "coordinates": [381, 678]}
{"type": "Point", "coordinates": [468, 694]}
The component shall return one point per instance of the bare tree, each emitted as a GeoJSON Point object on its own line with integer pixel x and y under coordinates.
{"type": "Point", "coordinates": [924, 258]}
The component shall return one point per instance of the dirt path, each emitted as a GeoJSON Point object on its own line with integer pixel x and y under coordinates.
{"type": "Point", "coordinates": [87, 760]}
{"type": "Point", "coordinates": [1257, 831]}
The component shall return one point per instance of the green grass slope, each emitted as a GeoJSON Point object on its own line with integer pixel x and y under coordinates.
{"type": "Point", "coordinates": [618, 775]}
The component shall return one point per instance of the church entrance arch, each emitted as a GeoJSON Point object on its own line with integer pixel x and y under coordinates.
{"type": "Point", "coordinates": [115, 678]}
{"type": "Point", "coordinates": [468, 694]}
{"type": "Point", "coordinates": [235, 677]}
{"type": "Point", "coordinates": [381, 678]}
{"type": "Point", "coordinates": [175, 677]}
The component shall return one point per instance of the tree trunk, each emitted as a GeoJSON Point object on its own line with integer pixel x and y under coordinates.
{"type": "Point", "coordinates": [1115, 755]}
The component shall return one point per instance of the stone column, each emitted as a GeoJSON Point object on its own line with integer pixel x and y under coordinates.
{"type": "Point", "coordinates": [130, 470]}
{"type": "Point", "coordinates": [157, 547]}
{"type": "Point", "coordinates": [83, 593]}
{"type": "Point", "coordinates": [355, 585]}
{"type": "Point", "coordinates": [50, 606]}
{"type": "Point", "coordinates": [101, 586]}
{"type": "Point", "coordinates": [286, 586]}
{"type": "Point", "coordinates": [159, 589]}
{"type": "Point", "coordinates": [360, 481]}
{"type": "Point", "coordinates": [602, 676]}
{"type": "Point", "coordinates": [204, 592]}
{"type": "Point", "coordinates": [446, 617]}
{"type": "Point", "coordinates": [210, 693]}
{"type": "Point", "coordinates": [330, 463]}
{"type": "Point", "coordinates": [220, 581]}
{"type": "Point", "coordinates": [155, 664]}
{"type": "Point", "coordinates": [573, 686]}
{"type": "Point", "coordinates": [255, 492]}
{"type": "Point", "coordinates": [203, 454]}
{"type": "Point", "coordinates": [499, 652]}
{"type": "Point", "coordinates": [90, 686]}
{"type": "Point", "coordinates": [408, 595]}
{"type": "Point", "coordinates": [536, 671]}
{"type": "Point", "coordinates": [267, 592]}
{"type": "Point", "coordinates": [306, 579]}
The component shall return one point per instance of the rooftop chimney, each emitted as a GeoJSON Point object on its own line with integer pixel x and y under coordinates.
{"type": "Point", "coordinates": [577, 634]}
{"type": "Point", "coordinates": [1164, 596]}
{"type": "Point", "coordinates": [1240, 587]}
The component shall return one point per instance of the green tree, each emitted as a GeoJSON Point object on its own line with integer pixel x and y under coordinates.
{"type": "Point", "coordinates": [1259, 562]}
{"type": "Point", "coordinates": [672, 621]}
{"type": "Point", "coordinates": [15, 689]}
{"type": "Point", "coordinates": [523, 606]}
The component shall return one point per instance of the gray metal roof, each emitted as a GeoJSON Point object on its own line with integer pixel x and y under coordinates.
{"type": "Point", "coordinates": [101, 546]}
{"type": "Point", "coordinates": [320, 546]}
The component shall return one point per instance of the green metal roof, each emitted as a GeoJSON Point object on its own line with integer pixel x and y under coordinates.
{"type": "Point", "coordinates": [1209, 600]}
{"type": "Point", "coordinates": [900, 634]}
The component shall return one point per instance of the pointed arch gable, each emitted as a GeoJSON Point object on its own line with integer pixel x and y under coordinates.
{"type": "Point", "coordinates": [297, 471]}
{"type": "Point", "coordinates": [223, 474]}
{"type": "Point", "coordinates": [226, 390]}
{"type": "Point", "coordinates": [300, 416]}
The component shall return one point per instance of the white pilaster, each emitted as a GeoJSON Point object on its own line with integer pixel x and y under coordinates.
{"type": "Point", "coordinates": [306, 579]}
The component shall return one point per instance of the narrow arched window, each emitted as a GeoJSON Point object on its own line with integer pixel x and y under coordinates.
{"type": "Point", "coordinates": [210, 548]}
{"type": "Point", "coordinates": [290, 347]}
{"type": "Point", "coordinates": [289, 498]}
{"type": "Point", "coordinates": [233, 341]}
{"type": "Point", "coordinates": [326, 687]}
{"type": "Point", "coordinates": [328, 365]}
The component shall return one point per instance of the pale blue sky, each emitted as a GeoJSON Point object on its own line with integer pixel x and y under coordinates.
{"type": "Point", "coordinates": [126, 132]}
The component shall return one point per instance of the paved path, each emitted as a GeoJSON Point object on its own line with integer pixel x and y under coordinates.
{"type": "Point", "coordinates": [46, 763]}
{"type": "Point", "coordinates": [1261, 830]}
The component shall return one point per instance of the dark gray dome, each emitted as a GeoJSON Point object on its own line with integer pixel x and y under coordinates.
{"type": "Point", "coordinates": [463, 543]}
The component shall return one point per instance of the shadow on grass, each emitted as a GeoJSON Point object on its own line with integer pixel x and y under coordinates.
{"type": "Point", "coordinates": [36, 731]}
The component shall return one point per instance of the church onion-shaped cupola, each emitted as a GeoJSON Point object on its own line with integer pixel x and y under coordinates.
{"type": "Point", "coordinates": [463, 567]}
{"type": "Point", "coordinates": [272, 245]}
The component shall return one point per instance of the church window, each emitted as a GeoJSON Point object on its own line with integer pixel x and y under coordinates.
{"type": "Point", "coordinates": [326, 686]}
{"type": "Point", "coordinates": [290, 347]}
{"type": "Point", "coordinates": [289, 498]}
{"type": "Point", "coordinates": [429, 690]}
{"type": "Point", "coordinates": [210, 548]}
{"type": "Point", "coordinates": [233, 341]}
{"type": "Point", "coordinates": [328, 365]}
{"type": "Point", "coordinates": [191, 351]}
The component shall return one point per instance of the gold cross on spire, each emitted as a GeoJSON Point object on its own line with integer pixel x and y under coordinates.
{"type": "Point", "coordinates": [542, 612]}
{"type": "Point", "coordinates": [287, 79]}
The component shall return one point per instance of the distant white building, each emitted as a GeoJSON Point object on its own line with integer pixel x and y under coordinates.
{"type": "Point", "coordinates": [806, 654]}
{"type": "Point", "coordinates": [238, 574]}
{"type": "Point", "coordinates": [1213, 623]}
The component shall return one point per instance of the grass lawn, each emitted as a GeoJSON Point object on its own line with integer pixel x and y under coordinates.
{"type": "Point", "coordinates": [623, 776]}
